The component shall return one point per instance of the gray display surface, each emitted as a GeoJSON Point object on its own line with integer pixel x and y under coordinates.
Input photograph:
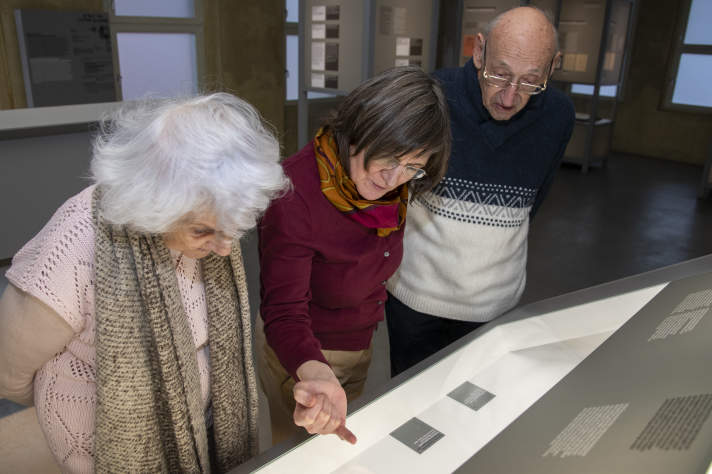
{"type": "Point", "coordinates": [508, 364]}
{"type": "Point", "coordinates": [640, 403]}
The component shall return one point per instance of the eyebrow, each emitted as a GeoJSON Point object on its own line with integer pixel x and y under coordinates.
{"type": "Point", "coordinates": [417, 164]}
{"type": "Point", "coordinates": [535, 70]}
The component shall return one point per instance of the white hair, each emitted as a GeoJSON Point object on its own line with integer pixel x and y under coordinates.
{"type": "Point", "coordinates": [160, 161]}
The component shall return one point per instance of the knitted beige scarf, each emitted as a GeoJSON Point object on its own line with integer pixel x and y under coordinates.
{"type": "Point", "coordinates": [149, 413]}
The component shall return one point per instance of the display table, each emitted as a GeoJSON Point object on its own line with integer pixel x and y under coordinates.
{"type": "Point", "coordinates": [457, 409]}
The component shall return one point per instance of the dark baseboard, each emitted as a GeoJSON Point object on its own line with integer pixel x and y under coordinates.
{"type": "Point", "coordinates": [5, 262]}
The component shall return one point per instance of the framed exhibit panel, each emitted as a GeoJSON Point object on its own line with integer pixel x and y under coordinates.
{"type": "Point", "coordinates": [404, 34]}
{"type": "Point", "coordinates": [614, 378]}
{"type": "Point", "coordinates": [335, 55]}
{"type": "Point", "coordinates": [66, 57]}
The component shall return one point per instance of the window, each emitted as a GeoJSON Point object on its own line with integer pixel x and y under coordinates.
{"type": "Point", "coordinates": [587, 89]}
{"type": "Point", "coordinates": [158, 47]}
{"type": "Point", "coordinates": [692, 61]}
{"type": "Point", "coordinates": [292, 48]}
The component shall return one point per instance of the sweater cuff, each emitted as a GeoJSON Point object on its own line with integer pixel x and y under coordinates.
{"type": "Point", "coordinates": [292, 356]}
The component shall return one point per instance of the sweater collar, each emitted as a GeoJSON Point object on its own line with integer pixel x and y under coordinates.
{"type": "Point", "coordinates": [497, 132]}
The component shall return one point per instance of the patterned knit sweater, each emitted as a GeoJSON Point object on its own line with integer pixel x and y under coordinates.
{"type": "Point", "coordinates": [57, 267]}
{"type": "Point", "coordinates": [465, 246]}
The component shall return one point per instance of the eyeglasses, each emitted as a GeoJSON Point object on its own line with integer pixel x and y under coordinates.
{"type": "Point", "coordinates": [411, 172]}
{"type": "Point", "coordinates": [502, 82]}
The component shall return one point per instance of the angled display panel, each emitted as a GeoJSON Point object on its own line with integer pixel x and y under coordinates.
{"type": "Point", "coordinates": [640, 403]}
{"type": "Point", "coordinates": [514, 394]}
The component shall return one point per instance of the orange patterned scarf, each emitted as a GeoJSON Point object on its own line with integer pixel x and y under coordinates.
{"type": "Point", "coordinates": [386, 214]}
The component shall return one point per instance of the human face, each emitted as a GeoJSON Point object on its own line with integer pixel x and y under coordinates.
{"type": "Point", "coordinates": [380, 177]}
{"type": "Point", "coordinates": [197, 236]}
{"type": "Point", "coordinates": [518, 63]}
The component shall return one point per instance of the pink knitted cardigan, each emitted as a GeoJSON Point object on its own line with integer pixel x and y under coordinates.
{"type": "Point", "coordinates": [57, 267]}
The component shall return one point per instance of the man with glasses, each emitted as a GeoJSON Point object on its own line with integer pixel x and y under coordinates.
{"type": "Point", "coordinates": [465, 246]}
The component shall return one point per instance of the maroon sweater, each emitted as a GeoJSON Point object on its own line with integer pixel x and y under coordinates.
{"type": "Point", "coordinates": [323, 275]}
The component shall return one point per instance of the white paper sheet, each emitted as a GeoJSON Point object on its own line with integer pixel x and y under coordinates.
{"type": "Point", "coordinates": [318, 55]}
{"type": "Point", "coordinates": [318, 79]}
{"type": "Point", "coordinates": [319, 13]}
{"type": "Point", "coordinates": [318, 31]}
{"type": "Point", "coordinates": [402, 46]}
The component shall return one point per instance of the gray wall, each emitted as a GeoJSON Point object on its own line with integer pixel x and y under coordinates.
{"type": "Point", "coordinates": [37, 175]}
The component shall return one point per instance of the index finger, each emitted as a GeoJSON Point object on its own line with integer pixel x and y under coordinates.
{"type": "Point", "coordinates": [344, 433]}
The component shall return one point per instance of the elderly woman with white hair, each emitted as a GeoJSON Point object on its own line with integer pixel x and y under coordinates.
{"type": "Point", "coordinates": [126, 319]}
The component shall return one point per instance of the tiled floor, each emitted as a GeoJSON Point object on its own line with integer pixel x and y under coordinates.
{"type": "Point", "coordinates": [635, 215]}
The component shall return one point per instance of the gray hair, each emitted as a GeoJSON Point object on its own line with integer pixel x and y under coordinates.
{"type": "Point", "coordinates": [548, 14]}
{"type": "Point", "coordinates": [160, 161]}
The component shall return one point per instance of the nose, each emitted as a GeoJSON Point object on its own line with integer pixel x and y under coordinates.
{"type": "Point", "coordinates": [393, 176]}
{"type": "Point", "coordinates": [221, 246]}
{"type": "Point", "coordinates": [508, 95]}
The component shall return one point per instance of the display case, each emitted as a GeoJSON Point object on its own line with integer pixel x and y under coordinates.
{"type": "Point", "coordinates": [613, 378]}
{"type": "Point", "coordinates": [475, 16]}
{"type": "Point", "coordinates": [593, 35]}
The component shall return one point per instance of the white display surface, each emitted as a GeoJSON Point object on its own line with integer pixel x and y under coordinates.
{"type": "Point", "coordinates": [518, 362]}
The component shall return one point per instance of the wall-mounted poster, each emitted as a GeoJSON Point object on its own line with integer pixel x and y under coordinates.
{"type": "Point", "coordinates": [336, 30]}
{"type": "Point", "coordinates": [66, 57]}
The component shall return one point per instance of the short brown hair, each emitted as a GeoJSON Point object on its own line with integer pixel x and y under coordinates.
{"type": "Point", "coordinates": [397, 112]}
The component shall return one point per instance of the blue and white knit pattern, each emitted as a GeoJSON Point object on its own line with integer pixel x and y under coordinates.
{"type": "Point", "coordinates": [480, 203]}
{"type": "Point", "coordinates": [464, 251]}
{"type": "Point", "coordinates": [465, 243]}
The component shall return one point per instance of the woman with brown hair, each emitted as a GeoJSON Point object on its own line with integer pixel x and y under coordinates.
{"type": "Point", "coordinates": [328, 247]}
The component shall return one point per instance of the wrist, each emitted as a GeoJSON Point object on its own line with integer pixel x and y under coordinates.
{"type": "Point", "coordinates": [315, 370]}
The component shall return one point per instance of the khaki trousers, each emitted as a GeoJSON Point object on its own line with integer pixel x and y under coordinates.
{"type": "Point", "coordinates": [350, 367]}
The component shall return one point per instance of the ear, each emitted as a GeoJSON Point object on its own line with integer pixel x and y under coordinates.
{"type": "Point", "coordinates": [478, 52]}
{"type": "Point", "coordinates": [556, 64]}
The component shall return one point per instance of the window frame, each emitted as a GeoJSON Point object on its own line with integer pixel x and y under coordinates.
{"type": "Point", "coordinates": [291, 28]}
{"type": "Point", "coordinates": [681, 48]}
{"type": "Point", "coordinates": [601, 97]}
{"type": "Point", "coordinates": [151, 24]}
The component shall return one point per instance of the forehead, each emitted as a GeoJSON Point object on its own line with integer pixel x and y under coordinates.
{"type": "Point", "coordinates": [418, 157]}
{"type": "Point", "coordinates": [517, 57]}
{"type": "Point", "coordinates": [199, 219]}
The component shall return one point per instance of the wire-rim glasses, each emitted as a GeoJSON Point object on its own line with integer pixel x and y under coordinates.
{"type": "Point", "coordinates": [411, 172]}
{"type": "Point", "coordinates": [502, 82]}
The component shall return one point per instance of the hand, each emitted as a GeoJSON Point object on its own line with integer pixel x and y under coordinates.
{"type": "Point", "coordinates": [321, 402]}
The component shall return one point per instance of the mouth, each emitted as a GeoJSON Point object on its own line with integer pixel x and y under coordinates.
{"type": "Point", "coordinates": [379, 188]}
